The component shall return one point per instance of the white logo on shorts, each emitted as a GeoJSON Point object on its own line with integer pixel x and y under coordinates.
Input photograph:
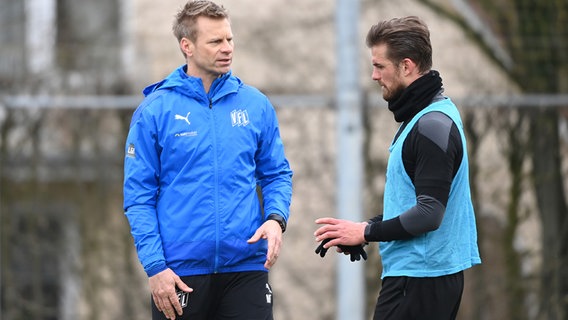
{"type": "Point", "coordinates": [269, 294]}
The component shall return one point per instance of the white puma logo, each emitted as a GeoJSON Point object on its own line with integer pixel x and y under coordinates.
{"type": "Point", "coordinates": [178, 117]}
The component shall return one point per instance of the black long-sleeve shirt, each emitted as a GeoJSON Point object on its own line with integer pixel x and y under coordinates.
{"type": "Point", "coordinates": [432, 154]}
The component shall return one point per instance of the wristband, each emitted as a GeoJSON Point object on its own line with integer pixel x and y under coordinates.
{"type": "Point", "coordinates": [278, 218]}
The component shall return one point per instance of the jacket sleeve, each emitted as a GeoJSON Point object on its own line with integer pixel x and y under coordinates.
{"type": "Point", "coordinates": [272, 168]}
{"type": "Point", "coordinates": [141, 187]}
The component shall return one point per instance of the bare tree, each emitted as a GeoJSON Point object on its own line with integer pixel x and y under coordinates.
{"type": "Point", "coordinates": [535, 35]}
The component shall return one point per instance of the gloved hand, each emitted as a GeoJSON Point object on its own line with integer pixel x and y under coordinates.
{"type": "Point", "coordinates": [356, 252]}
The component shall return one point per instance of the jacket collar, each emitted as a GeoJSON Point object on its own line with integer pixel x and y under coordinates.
{"type": "Point", "coordinates": [180, 82]}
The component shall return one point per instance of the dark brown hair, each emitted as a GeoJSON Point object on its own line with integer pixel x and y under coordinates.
{"type": "Point", "coordinates": [406, 37]}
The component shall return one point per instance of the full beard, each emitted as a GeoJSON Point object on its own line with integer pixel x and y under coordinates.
{"type": "Point", "coordinates": [394, 94]}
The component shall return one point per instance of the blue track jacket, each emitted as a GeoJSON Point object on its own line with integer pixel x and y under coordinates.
{"type": "Point", "coordinates": [193, 162]}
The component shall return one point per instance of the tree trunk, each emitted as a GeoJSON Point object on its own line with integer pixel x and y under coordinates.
{"type": "Point", "coordinates": [549, 188]}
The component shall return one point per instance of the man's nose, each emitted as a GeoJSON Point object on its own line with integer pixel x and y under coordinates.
{"type": "Point", "coordinates": [376, 75]}
{"type": "Point", "coordinates": [227, 46]}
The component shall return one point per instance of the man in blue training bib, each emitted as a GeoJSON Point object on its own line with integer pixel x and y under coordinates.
{"type": "Point", "coordinates": [427, 234]}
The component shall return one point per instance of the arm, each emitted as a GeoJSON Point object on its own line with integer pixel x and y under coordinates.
{"type": "Point", "coordinates": [273, 171]}
{"type": "Point", "coordinates": [425, 216]}
{"type": "Point", "coordinates": [141, 185]}
{"type": "Point", "coordinates": [275, 181]}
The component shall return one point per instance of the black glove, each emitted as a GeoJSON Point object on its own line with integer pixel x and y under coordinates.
{"type": "Point", "coordinates": [355, 252]}
{"type": "Point", "coordinates": [320, 249]}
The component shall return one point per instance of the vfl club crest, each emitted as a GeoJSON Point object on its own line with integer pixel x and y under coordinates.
{"type": "Point", "coordinates": [239, 118]}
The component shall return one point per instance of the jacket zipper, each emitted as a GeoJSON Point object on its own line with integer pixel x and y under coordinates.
{"type": "Point", "coordinates": [216, 186]}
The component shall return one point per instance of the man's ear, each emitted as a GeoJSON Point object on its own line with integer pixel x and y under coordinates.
{"type": "Point", "coordinates": [186, 46]}
{"type": "Point", "coordinates": [408, 67]}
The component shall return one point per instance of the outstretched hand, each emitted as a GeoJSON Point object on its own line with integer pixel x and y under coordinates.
{"type": "Point", "coordinates": [272, 233]}
{"type": "Point", "coordinates": [348, 236]}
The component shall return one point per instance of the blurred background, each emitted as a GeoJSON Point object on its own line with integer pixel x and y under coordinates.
{"type": "Point", "coordinates": [71, 74]}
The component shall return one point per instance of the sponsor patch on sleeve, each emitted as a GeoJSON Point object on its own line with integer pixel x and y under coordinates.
{"type": "Point", "coordinates": [131, 152]}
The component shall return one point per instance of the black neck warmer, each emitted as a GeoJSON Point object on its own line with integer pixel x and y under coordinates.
{"type": "Point", "coordinates": [417, 96]}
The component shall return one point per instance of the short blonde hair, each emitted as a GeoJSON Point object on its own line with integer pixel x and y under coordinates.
{"type": "Point", "coordinates": [186, 18]}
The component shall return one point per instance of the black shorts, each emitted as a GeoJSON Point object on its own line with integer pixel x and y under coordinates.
{"type": "Point", "coordinates": [407, 298]}
{"type": "Point", "coordinates": [236, 296]}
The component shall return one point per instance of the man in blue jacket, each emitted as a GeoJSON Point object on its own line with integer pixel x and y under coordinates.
{"type": "Point", "coordinates": [427, 234]}
{"type": "Point", "coordinates": [199, 146]}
